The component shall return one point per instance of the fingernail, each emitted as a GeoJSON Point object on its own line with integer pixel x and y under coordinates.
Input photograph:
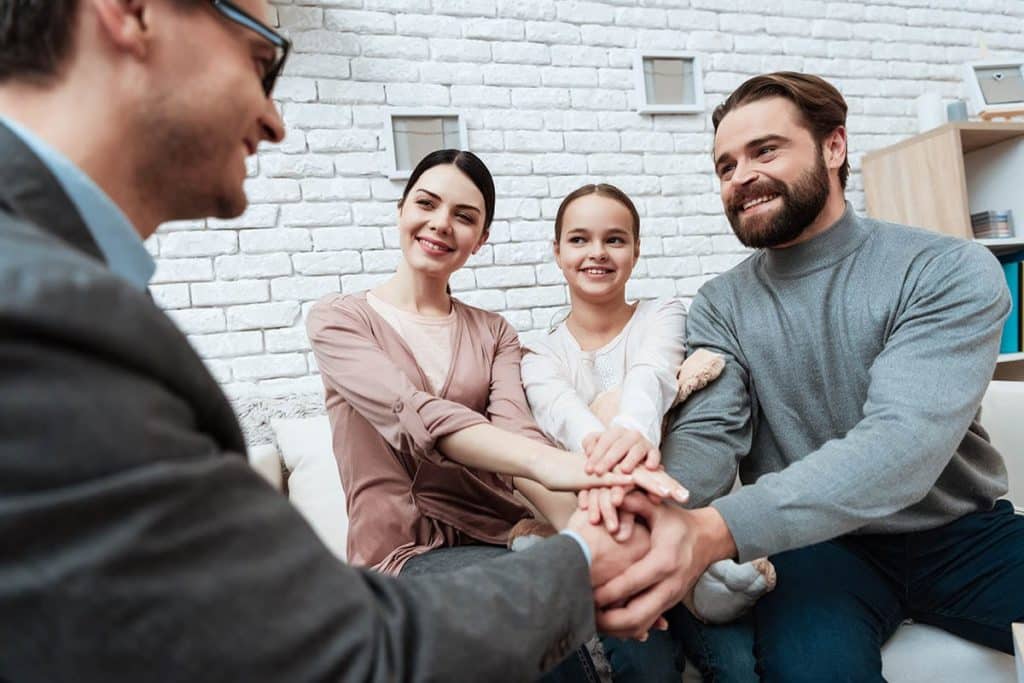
{"type": "Point", "coordinates": [643, 638]}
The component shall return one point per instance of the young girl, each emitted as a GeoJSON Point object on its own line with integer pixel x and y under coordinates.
{"type": "Point", "coordinates": [602, 380]}
{"type": "Point", "coordinates": [425, 398]}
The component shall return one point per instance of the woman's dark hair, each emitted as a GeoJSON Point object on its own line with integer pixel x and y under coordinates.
{"type": "Point", "coordinates": [821, 106]}
{"type": "Point", "coordinates": [468, 163]}
{"type": "Point", "coordinates": [601, 190]}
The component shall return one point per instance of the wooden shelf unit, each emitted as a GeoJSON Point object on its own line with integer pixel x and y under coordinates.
{"type": "Point", "coordinates": [928, 180]}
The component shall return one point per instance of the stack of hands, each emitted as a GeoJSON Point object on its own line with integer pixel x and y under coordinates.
{"type": "Point", "coordinates": [648, 553]}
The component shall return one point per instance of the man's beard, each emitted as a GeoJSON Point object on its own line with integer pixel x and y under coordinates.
{"type": "Point", "coordinates": [801, 204]}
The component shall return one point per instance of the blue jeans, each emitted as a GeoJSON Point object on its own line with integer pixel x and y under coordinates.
{"type": "Point", "coordinates": [723, 653]}
{"type": "Point", "coordinates": [653, 661]}
{"type": "Point", "coordinates": [836, 603]}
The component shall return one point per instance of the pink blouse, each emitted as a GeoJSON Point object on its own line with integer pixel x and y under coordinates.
{"type": "Point", "coordinates": [404, 497]}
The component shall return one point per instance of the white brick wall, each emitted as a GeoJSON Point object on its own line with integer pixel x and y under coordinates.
{"type": "Point", "coordinates": [546, 90]}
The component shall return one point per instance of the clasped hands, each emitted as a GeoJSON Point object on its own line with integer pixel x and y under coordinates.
{"type": "Point", "coordinates": [647, 553]}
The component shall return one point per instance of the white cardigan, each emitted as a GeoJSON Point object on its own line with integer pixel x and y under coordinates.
{"type": "Point", "coordinates": [562, 380]}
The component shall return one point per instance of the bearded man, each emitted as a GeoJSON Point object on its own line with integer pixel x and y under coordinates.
{"type": "Point", "coordinates": [857, 353]}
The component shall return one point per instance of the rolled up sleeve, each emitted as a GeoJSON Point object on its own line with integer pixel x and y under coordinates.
{"type": "Point", "coordinates": [356, 369]}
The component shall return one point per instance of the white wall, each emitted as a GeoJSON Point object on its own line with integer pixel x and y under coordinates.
{"type": "Point", "coordinates": [546, 87]}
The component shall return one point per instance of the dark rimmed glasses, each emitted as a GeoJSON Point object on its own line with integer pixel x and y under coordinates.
{"type": "Point", "coordinates": [281, 45]}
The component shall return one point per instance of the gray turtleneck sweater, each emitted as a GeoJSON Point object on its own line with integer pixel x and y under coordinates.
{"type": "Point", "coordinates": [855, 365]}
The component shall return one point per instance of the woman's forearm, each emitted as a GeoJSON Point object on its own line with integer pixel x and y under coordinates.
{"type": "Point", "coordinates": [556, 507]}
{"type": "Point", "coordinates": [486, 447]}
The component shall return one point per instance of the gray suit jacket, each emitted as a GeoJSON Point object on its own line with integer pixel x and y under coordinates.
{"type": "Point", "coordinates": [137, 544]}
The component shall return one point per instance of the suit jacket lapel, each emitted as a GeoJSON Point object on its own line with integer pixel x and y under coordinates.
{"type": "Point", "coordinates": [29, 191]}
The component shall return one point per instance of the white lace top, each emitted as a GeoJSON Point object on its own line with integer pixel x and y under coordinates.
{"type": "Point", "coordinates": [562, 380]}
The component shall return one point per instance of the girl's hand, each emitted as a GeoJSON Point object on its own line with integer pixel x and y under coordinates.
{"type": "Point", "coordinates": [619, 447]}
{"type": "Point", "coordinates": [602, 505]}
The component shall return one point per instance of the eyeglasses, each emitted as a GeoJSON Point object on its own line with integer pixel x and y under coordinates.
{"type": "Point", "coordinates": [281, 44]}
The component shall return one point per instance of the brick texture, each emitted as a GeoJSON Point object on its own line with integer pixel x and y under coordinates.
{"type": "Point", "coordinates": [546, 88]}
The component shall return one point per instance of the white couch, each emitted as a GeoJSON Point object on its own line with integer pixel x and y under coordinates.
{"type": "Point", "coordinates": [917, 653]}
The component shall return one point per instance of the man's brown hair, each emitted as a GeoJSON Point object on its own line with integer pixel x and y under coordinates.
{"type": "Point", "coordinates": [822, 107]}
{"type": "Point", "coordinates": [37, 37]}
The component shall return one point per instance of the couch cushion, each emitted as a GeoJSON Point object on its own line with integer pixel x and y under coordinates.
{"type": "Point", "coordinates": [1001, 415]}
{"type": "Point", "coordinates": [922, 653]}
{"type": "Point", "coordinates": [265, 459]}
{"type": "Point", "coordinates": [919, 653]}
{"type": "Point", "coordinates": [1018, 648]}
{"type": "Point", "coordinates": [314, 486]}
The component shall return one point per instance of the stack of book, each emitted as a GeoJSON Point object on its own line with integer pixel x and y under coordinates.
{"type": "Point", "coordinates": [991, 224]}
{"type": "Point", "coordinates": [1013, 328]}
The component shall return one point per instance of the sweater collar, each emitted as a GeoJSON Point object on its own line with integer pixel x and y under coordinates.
{"type": "Point", "coordinates": [830, 247]}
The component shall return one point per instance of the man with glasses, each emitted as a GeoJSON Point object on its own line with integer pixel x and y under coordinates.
{"type": "Point", "coordinates": [137, 543]}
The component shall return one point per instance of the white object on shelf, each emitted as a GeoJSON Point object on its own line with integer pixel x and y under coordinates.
{"type": "Point", "coordinates": [995, 86]}
{"type": "Point", "coordinates": [1010, 357]}
{"type": "Point", "coordinates": [931, 112]}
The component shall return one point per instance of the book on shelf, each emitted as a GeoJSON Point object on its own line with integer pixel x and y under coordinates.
{"type": "Point", "coordinates": [992, 224]}
{"type": "Point", "coordinates": [1013, 328]}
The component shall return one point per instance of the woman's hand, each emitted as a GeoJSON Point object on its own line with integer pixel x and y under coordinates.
{"type": "Point", "coordinates": [619, 447]}
{"type": "Point", "coordinates": [564, 471]}
{"type": "Point", "coordinates": [659, 484]}
{"type": "Point", "coordinates": [602, 504]}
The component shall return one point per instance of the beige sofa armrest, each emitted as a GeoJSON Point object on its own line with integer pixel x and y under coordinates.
{"type": "Point", "coordinates": [1001, 411]}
